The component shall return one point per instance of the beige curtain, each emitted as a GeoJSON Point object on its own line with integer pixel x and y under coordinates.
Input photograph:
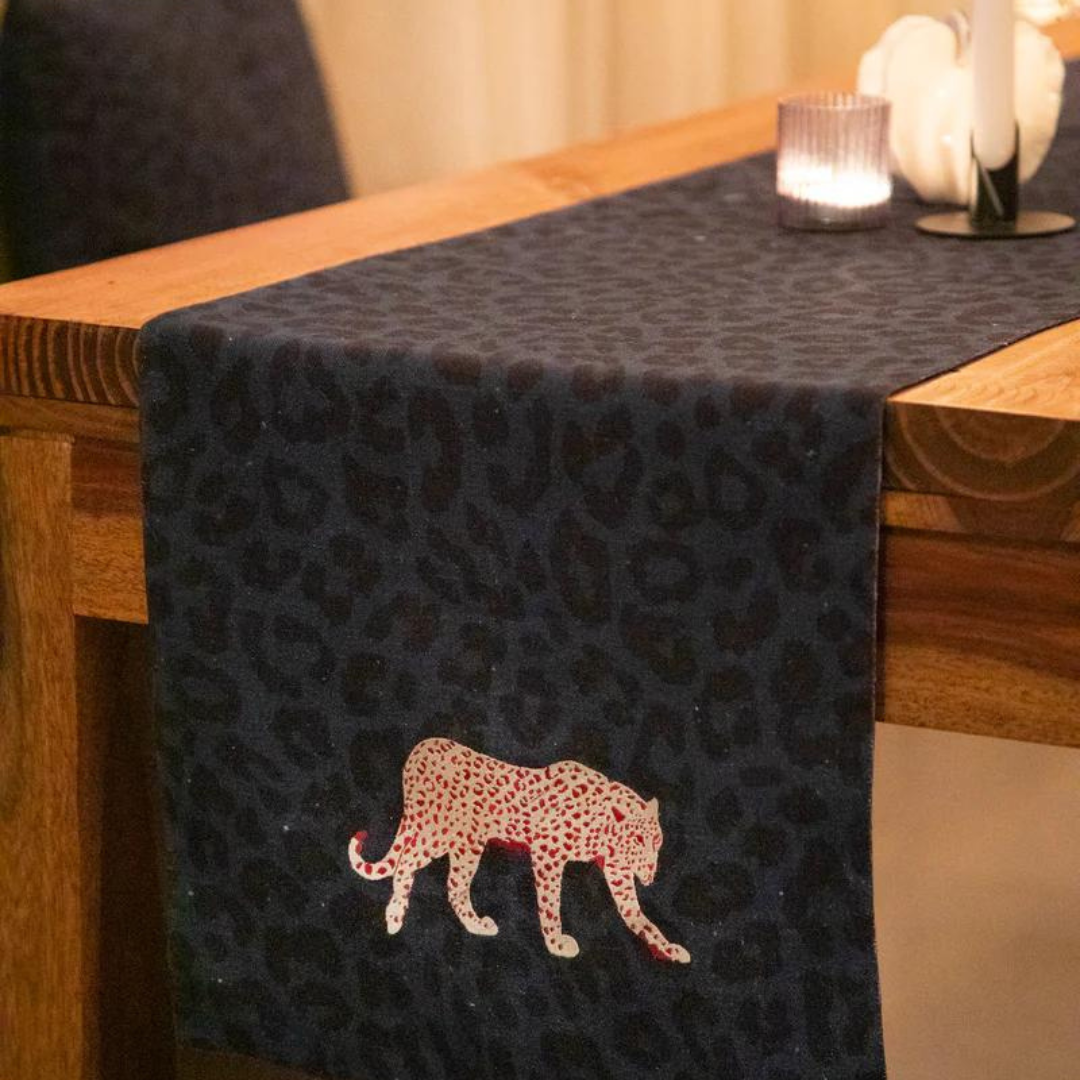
{"type": "Point", "coordinates": [428, 87]}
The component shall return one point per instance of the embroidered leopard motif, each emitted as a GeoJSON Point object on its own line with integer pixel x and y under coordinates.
{"type": "Point", "coordinates": [457, 801]}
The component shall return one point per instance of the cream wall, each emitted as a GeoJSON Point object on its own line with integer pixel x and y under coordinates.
{"type": "Point", "coordinates": [977, 890]}
{"type": "Point", "coordinates": [428, 87]}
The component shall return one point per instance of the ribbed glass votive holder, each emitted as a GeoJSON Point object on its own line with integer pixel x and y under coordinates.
{"type": "Point", "coordinates": [832, 161]}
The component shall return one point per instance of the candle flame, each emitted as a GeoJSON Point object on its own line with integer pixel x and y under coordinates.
{"type": "Point", "coordinates": [844, 188]}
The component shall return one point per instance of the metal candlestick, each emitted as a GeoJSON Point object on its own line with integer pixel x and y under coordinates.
{"type": "Point", "coordinates": [994, 212]}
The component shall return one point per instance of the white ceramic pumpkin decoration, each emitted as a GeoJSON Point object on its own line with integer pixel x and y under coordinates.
{"type": "Point", "coordinates": [923, 66]}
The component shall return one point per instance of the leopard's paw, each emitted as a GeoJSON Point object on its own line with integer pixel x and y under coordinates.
{"type": "Point", "coordinates": [676, 953]}
{"type": "Point", "coordinates": [395, 916]}
{"type": "Point", "coordinates": [563, 945]}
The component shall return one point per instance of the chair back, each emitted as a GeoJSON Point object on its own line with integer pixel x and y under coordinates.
{"type": "Point", "coordinates": [124, 125]}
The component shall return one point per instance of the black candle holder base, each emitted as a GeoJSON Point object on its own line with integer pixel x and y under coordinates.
{"type": "Point", "coordinates": [994, 213]}
{"type": "Point", "coordinates": [1027, 224]}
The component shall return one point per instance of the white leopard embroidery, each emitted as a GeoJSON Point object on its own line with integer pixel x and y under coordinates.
{"type": "Point", "coordinates": [457, 801]}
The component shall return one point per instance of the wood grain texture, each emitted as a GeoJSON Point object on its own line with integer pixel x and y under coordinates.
{"type": "Point", "coordinates": [107, 568]}
{"type": "Point", "coordinates": [1035, 522]}
{"type": "Point", "coordinates": [1037, 377]}
{"type": "Point", "coordinates": [108, 577]}
{"type": "Point", "coordinates": [68, 361]}
{"type": "Point", "coordinates": [981, 637]}
{"type": "Point", "coordinates": [49, 778]}
{"type": "Point", "coordinates": [70, 418]}
{"type": "Point", "coordinates": [1001, 458]}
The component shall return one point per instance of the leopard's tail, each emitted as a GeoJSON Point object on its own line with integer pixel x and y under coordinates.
{"type": "Point", "coordinates": [373, 871]}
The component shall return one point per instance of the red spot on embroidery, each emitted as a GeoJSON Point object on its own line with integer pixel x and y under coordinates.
{"type": "Point", "coordinates": [511, 847]}
{"type": "Point", "coordinates": [619, 815]}
{"type": "Point", "coordinates": [600, 860]}
{"type": "Point", "coordinates": [358, 839]}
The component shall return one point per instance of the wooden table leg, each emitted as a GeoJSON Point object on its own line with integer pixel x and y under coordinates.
{"type": "Point", "coordinates": [49, 792]}
{"type": "Point", "coordinates": [83, 982]}
{"type": "Point", "coordinates": [137, 1041]}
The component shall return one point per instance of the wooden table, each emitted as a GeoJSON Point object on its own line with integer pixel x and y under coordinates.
{"type": "Point", "coordinates": [980, 600]}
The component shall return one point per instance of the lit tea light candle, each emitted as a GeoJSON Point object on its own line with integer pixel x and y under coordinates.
{"type": "Point", "coordinates": [809, 181]}
{"type": "Point", "coordinates": [832, 162]}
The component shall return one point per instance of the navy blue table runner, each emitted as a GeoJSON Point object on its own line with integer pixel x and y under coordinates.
{"type": "Point", "coordinates": [577, 516]}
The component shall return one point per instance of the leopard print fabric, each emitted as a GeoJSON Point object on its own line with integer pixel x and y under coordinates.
{"type": "Point", "coordinates": [125, 124]}
{"type": "Point", "coordinates": [599, 486]}
{"type": "Point", "coordinates": [458, 801]}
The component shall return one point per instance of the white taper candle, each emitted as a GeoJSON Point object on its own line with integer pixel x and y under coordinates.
{"type": "Point", "coordinates": [992, 51]}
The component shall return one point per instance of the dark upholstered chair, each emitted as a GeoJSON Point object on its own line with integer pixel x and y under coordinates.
{"type": "Point", "coordinates": [130, 123]}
